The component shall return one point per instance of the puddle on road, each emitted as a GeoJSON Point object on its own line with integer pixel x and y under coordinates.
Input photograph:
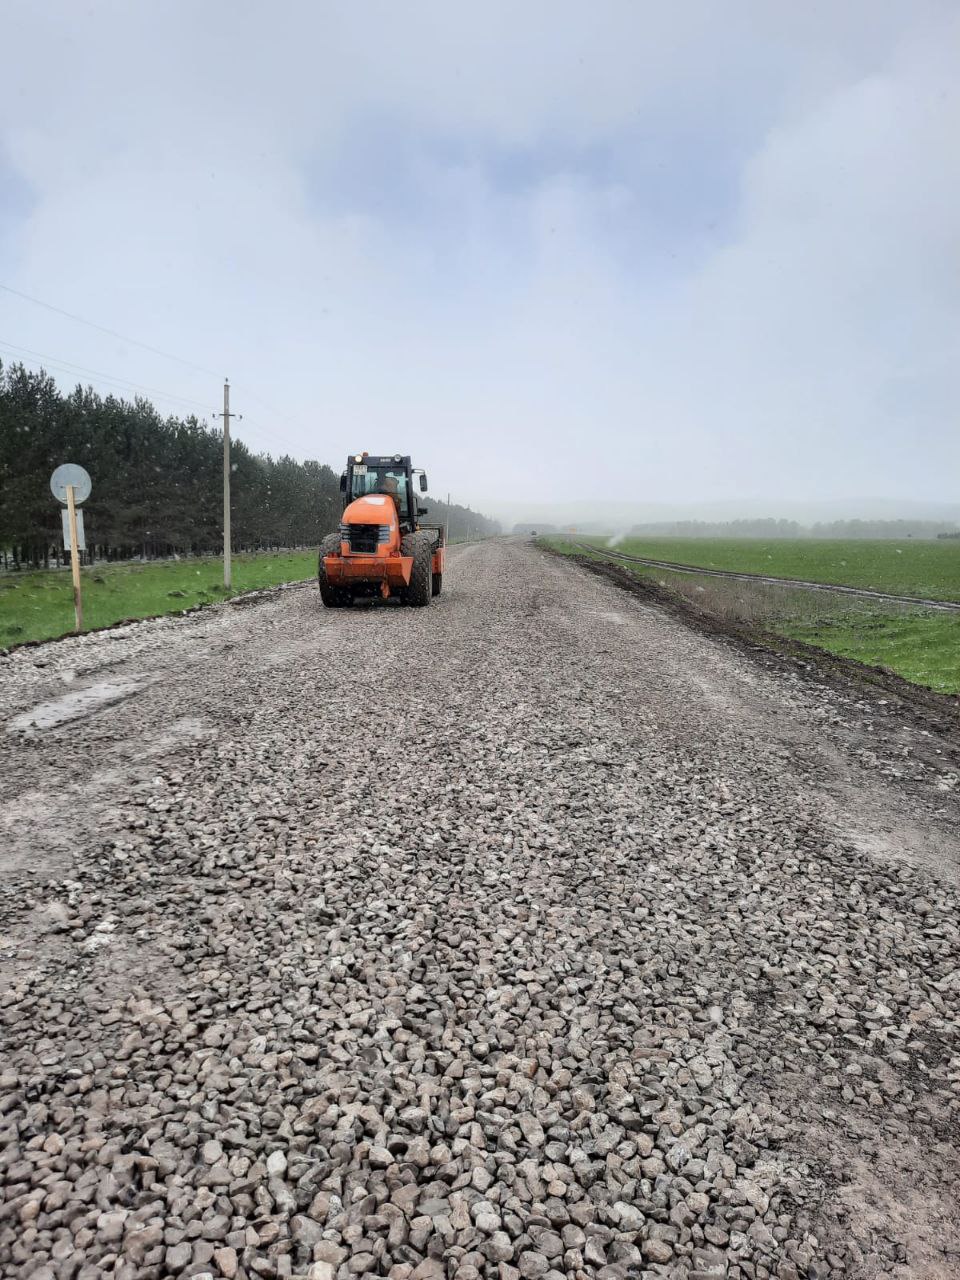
{"type": "Point", "coordinates": [77, 704]}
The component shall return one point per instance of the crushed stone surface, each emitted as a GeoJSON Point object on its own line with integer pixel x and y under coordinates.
{"type": "Point", "coordinates": [530, 935]}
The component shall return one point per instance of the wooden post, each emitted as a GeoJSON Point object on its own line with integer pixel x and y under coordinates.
{"type": "Point", "coordinates": [75, 558]}
{"type": "Point", "coordinates": [226, 484]}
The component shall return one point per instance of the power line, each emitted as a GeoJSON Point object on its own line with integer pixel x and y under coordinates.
{"type": "Point", "coordinates": [145, 346]}
{"type": "Point", "coordinates": [55, 362]}
{"type": "Point", "coordinates": [43, 364]}
{"type": "Point", "coordinates": [66, 366]}
{"type": "Point", "coordinates": [271, 408]}
{"type": "Point", "coordinates": [133, 342]}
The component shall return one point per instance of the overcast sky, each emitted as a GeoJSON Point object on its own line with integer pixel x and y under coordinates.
{"type": "Point", "coordinates": [687, 253]}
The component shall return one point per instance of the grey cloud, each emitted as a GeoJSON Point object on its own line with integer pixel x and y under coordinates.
{"type": "Point", "coordinates": [551, 331]}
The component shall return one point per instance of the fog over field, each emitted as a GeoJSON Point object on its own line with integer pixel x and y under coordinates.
{"type": "Point", "coordinates": [614, 516]}
{"type": "Point", "coordinates": [618, 254]}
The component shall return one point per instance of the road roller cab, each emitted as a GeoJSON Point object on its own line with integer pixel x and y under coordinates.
{"type": "Point", "coordinates": [382, 548]}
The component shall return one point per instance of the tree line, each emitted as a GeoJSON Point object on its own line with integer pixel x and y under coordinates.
{"type": "Point", "coordinates": [157, 481]}
{"type": "Point", "coordinates": [772, 528]}
{"type": "Point", "coordinates": [763, 527]}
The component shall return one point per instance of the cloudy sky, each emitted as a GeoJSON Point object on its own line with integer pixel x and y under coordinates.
{"type": "Point", "coordinates": [695, 253]}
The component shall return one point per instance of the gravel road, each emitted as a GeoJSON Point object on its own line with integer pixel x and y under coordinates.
{"type": "Point", "coordinates": [529, 935]}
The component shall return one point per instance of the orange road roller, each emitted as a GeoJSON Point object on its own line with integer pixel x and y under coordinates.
{"type": "Point", "coordinates": [382, 547]}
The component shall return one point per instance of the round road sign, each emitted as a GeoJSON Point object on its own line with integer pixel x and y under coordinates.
{"type": "Point", "coordinates": [70, 473]}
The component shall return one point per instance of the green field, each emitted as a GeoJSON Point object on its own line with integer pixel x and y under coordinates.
{"type": "Point", "coordinates": [910, 567]}
{"type": "Point", "coordinates": [921, 645]}
{"type": "Point", "coordinates": [39, 606]}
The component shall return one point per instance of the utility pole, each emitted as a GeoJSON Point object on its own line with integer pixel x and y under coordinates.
{"type": "Point", "coordinates": [446, 532]}
{"type": "Point", "coordinates": [226, 415]}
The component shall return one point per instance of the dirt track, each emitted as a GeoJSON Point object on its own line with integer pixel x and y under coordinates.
{"type": "Point", "coordinates": [533, 934]}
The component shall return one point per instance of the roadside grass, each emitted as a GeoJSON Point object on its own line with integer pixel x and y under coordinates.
{"type": "Point", "coordinates": [919, 644]}
{"type": "Point", "coordinates": [39, 606]}
{"type": "Point", "coordinates": [907, 567]}
{"type": "Point", "coordinates": [924, 648]}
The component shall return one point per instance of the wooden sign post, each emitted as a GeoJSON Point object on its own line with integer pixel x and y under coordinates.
{"type": "Point", "coordinates": [75, 558]}
{"type": "Point", "coordinates": [72, 485]}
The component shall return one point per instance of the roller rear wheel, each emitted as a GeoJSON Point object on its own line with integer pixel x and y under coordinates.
{"type": "Point", "coordinates": [333, 597]}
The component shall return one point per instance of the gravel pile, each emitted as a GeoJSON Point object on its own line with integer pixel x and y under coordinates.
{"type": "Point", "coordinates": [522, 936]}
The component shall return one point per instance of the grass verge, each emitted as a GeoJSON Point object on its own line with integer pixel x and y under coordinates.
{"type": "Point", "coordinates": [924, 648]}
{"type": "Point", "coordinates": [920, 645]}
{"type": "Point", "coordinates": [39, 606]}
